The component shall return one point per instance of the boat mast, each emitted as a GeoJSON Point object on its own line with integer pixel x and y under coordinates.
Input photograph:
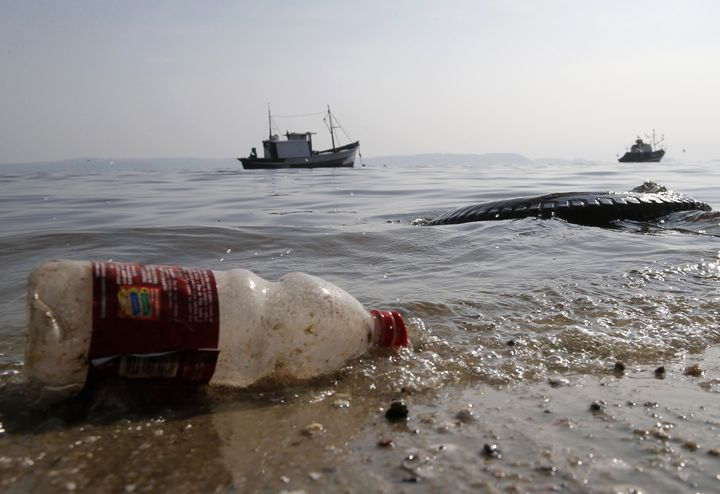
{"type": "Point", "coordinates": [332, 133]}
{"type": "Point", "coordinates": [269, 123]}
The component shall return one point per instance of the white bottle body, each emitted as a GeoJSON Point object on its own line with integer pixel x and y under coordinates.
{"type": "Point", "coordinates": [298, 327]}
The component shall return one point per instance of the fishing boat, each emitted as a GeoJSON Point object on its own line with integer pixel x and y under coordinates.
{"type": "Point", "coordinates": [296, 151]}
{"type": "Point", "coordinates": [642, 152]}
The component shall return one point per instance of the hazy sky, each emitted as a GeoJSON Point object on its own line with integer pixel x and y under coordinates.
{"type": "Point", "coordinates": [554, 78]}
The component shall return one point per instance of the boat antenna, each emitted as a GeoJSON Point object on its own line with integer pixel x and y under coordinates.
{"type": "Point", "coordinates": [269, 123]}
{"type": "Point", "coordinates": [332, 133]}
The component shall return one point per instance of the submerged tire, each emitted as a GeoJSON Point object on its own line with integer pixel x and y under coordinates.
{"type": "Point", "coordinates": [584, 208]}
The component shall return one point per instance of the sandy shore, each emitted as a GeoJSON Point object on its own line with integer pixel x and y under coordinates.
{"type": "Point", "coordinates": [633, 432]}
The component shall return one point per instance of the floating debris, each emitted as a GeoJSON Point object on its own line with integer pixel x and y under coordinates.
{"type": "Point", "coordinates": [597, 407]}
{"type": "Point", "coordinates": [650, 187]}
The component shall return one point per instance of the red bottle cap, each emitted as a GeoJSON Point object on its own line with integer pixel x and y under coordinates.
{"type": "Point", "coordinates": [390, 330]}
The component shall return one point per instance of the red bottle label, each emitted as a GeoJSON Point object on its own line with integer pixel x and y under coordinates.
{"type": "Point", "coordinates": [154, 321]}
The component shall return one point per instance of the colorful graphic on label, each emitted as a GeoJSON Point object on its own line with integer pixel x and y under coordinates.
{"type": "Point", "coordinates": [139, 302]}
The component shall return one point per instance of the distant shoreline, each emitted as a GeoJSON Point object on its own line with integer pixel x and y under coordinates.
{"type": "Point", "coordinates": [400, 160]}
{"type": "Point", "coordinates": [139, 164]}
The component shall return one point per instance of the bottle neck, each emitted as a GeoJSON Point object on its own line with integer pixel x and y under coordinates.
{"type": "Point", "coordinates": [390, 330]}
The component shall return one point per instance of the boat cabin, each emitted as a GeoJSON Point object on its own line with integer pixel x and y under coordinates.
{"type": "Point", "coordinates": [296, 145]}
{"type": "Point", "coordinates": [640, 147]}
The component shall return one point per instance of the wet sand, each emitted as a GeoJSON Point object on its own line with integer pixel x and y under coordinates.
{"type": "Point", "coordinates": [630, 432]}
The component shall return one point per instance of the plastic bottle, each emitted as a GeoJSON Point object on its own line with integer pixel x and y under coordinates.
{"type": "Point", "coordinates": [86, 319]}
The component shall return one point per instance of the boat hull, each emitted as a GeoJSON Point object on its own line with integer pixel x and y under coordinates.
{"type": "Point", "coordinates": [640, 157]}
{"type": "Point", "coordinates": [343, 157]}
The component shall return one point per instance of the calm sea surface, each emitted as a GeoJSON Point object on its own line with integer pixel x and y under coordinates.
{"type": "Point", "coordinates": [492, 307]}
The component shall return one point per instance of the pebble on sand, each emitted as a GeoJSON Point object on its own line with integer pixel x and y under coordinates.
{"type": "Point", "coordinates": [386, 442]}
{"type": "Point", "coordinates": [693, 370]}
{"type": "Point", "coordinates": [314, 429]}
{"type": "Point", "coordinates": [491, 451]}
{"type": "Point", "coordinates": [466, 415]}
{"type": "Point", "coordinates": [556, 382]}
{"type": "Point", "coordinates": [619, 368]}
{"type": "Point", "coordinates": [398, 411]}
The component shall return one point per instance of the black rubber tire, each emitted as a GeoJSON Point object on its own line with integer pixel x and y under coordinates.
{"type": "Point", "coordinates": [584, 208]}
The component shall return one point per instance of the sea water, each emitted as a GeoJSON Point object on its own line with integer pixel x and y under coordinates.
{"type": "Point", "coordinates": [516, 327]}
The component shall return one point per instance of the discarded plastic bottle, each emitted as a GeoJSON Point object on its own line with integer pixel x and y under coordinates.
{"type": "Point", "coordinates": [88, 319]}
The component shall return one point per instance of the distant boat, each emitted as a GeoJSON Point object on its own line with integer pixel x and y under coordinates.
{"type": "Point", "coordinates": [296, 151]}
{"type": "Point", "coordinates": [642, 152]}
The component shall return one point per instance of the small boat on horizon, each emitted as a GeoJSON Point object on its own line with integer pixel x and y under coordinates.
{"type": "Point", "coordinates": [296, 150]}
{"type": "Point", "coordinates": [642, 152]}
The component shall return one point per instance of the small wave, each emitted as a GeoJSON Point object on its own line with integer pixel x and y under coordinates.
{"type": "Point", "coordinates": [690, 222]}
